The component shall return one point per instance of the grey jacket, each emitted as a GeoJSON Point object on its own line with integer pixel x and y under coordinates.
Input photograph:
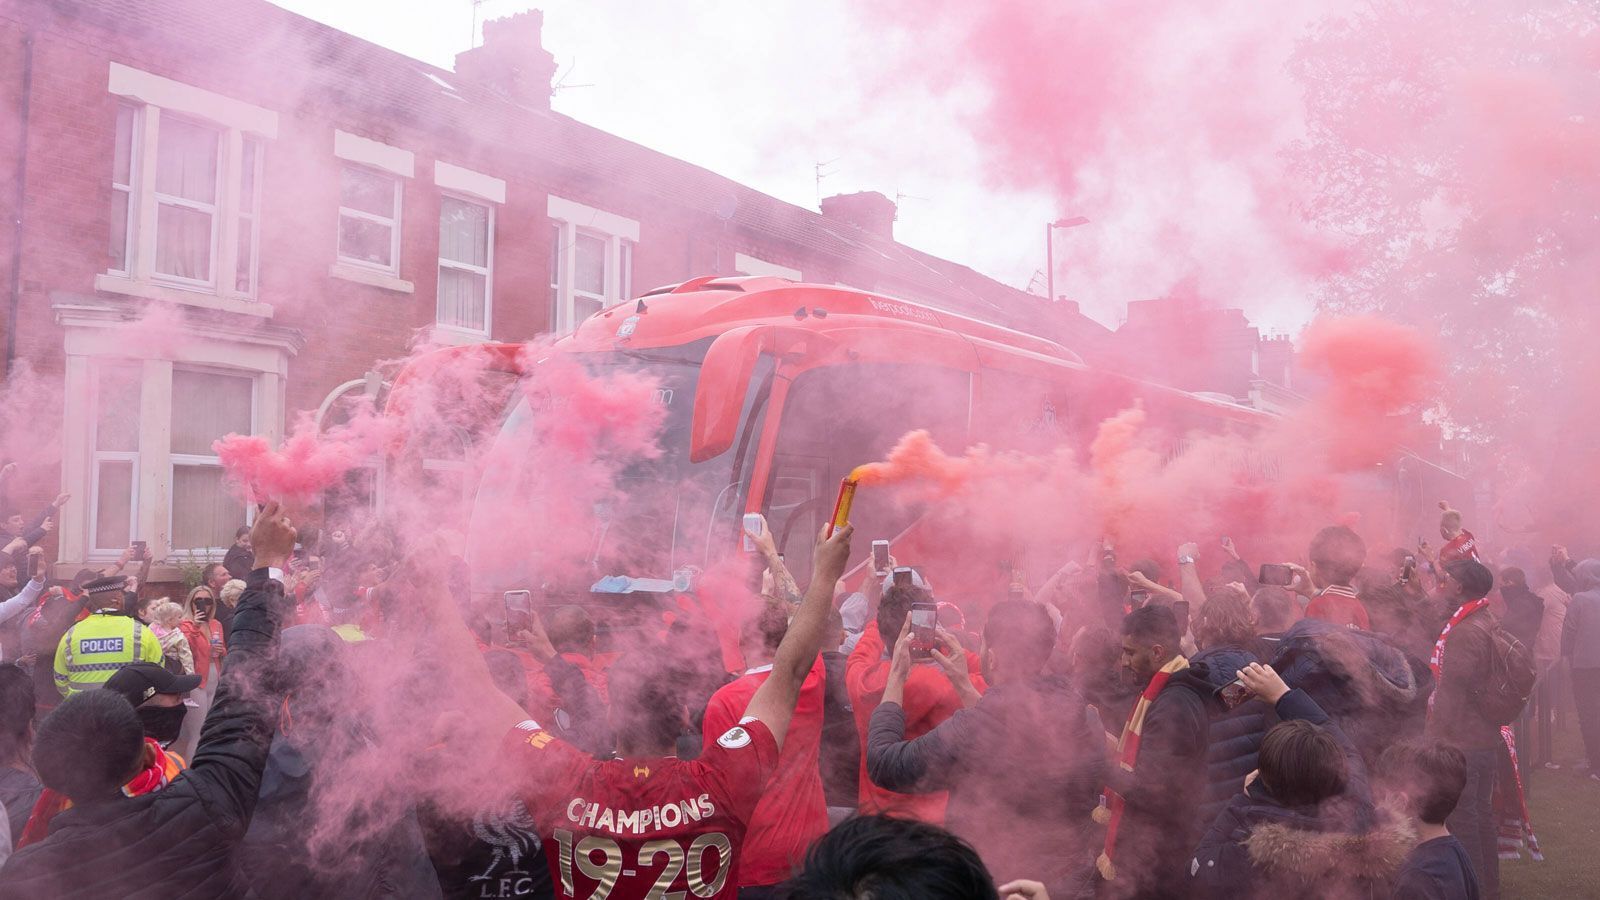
{"type": "Point", "coordinates": [1580, 633]}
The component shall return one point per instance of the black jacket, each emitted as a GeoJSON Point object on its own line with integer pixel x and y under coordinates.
{"type": "Point", "coordinates": [1161, 796]}
{"type": "Point", "coordinates": [239, 561]}
{"type": "Point", "coordinates": [841, 741]}
{"type": "Point", "coordinates": [1023, 770]}
{"type": "Point", "coordinates": [177, 842]}
{"type": "Point", "coordinates": [1234, 736]}
{"type": "Point", "coordinates": [1259, 848]}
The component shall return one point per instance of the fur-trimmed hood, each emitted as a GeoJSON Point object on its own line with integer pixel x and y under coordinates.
{"type": "Point", "coordinates": [1284, 849]}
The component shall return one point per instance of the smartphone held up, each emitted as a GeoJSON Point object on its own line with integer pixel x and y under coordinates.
{"type": "Point", "coordinates": [1276, 574]}
{"type": "Point", "coordinates": [924, 628]}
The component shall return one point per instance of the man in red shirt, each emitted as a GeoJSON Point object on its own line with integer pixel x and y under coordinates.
{"type": "Point", "coordinates": [646, 824]}
{"type": "Point", "coordinates": [793, 812]}
{"type": "Point", "coordinates": [1336, 557]}
{"type": "Point", "coordinates": [930, 698]}
{"type": "Point", "coordinates": [1458, 542]}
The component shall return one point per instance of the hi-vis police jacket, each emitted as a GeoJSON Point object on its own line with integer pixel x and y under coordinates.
{"type": "Point", "coordinates": [100, 645]}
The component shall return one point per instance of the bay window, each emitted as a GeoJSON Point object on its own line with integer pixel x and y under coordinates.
{"type": "Point", "coordinates": [206, 405]}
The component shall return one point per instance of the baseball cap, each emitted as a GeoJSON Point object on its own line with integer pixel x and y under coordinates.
{"type": "Point", "coordinates": [142, 680]}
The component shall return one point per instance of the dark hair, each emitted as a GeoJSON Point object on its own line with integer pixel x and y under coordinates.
{"type": "Point", "coordinates": [243, 530]}
{"type": "Point", "coordinates": [16, 711]}
{"type": "Point", "coordinates": [569, 628]}
{"type": "Point", "coordinates": [1301, 764]}
{"type": "Point", "coordinates": [895, 606]}
{"type": "Point", "coordinates": [1224, 620]}
{"type": "Point", "coordinates": [1098, 647]}
{"type": "Point", "coordinates": [88, 746]}
{"type": "Point", "coordinates": [1275, 608]}
{"type": "Point", "coordinates": [1153, 624]}
{"type": "Point", "coordinates": [208, 571]}
{"type": "Point", "coordinates": [885, 858]}
{"type": "Point", "coordinates": [1149, 568]}
{"type": "Point", "coordinates": [1022, 631]}
{"type": "Point", "coordinates": [1474, 577]}
{"type": "Point", "coordinates": [1338, 553]}
{"type": "Point", "coordinates": [1511, 576]}
{"type": "Point", "coordinates": [767, 628]}
{"type": "Point", "coordinates": [1431, 774]}
{"type": "Point", "coordinates": [645, 698]}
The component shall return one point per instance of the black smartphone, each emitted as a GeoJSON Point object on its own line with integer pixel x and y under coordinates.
{"type": "Point", "coordinates": [1180, 609]}
{"type": "Point", "coordinates": [140, 548]}
{"type": "Point", "coordinates": [519, 611]}
{"type": "Point", "coordinates": [1233, 694]}
{"type": "Point", "coordinates": [1276, 574]}
{"type": "Point", "coordinates": [902, 576]}
{"type": "Point", "coordinates": [880, 557]}
{"type": "Point", "coordinates": [1138, 598]}
{"type": "Point", "coordinates": [924, 624]}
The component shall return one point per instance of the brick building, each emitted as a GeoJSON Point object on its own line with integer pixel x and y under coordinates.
{"type": "Point", "coordinates": [223, 211]}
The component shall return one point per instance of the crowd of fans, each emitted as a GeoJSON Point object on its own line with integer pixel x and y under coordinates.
{"type": "Point", "coordinates": [1123, 731]}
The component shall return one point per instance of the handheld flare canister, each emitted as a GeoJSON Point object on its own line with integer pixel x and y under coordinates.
{"type": "Point", "coordinates": [847, 496]}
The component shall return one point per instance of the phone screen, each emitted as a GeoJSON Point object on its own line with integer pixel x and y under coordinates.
{"type": "Point", "coordinates": [1276, 574]}
{"type": "Point", "coordinates": [902, 576]}
{"type": "Point", "coordinates": [1233, 694]}
{"type": "Point", "coordinates": [519, 611]}
{"type": "Point", "coordinates": [880, 556]}
{"type": "Point", "coordinates": [924, 619]}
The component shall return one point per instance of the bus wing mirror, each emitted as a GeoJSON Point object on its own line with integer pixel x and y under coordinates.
{"type": "Point", "coordinates": [725, 376]}
{"type": "Point", "coordinates": [724, 382]}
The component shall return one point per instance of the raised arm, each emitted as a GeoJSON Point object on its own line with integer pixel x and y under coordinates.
{"type": "Point", "coordinates": [1189, 575]}
{"type": "Point", "coordinates": [774, 701]}
{"type": "Point", "coordinates": [787, 589]}
{"type": "Point", "coordinates": [24, 599]}
{"type": "Point", "coordinates": [238, 729]}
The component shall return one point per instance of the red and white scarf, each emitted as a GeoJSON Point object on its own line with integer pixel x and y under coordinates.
{"type": "Point", "coordinates": [1110, 814]}
{"type": "Point", "coordinates": [158, 774]}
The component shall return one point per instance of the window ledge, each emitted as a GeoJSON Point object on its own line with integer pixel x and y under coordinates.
{"type": "Point", "coordinates": [371, 277]}
{"type": "Point", "coordinates": [118, 284]}
{"type": "Point", "coordinates": [452, 336]}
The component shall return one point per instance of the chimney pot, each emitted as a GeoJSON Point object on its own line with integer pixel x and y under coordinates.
{"type": "Point", "coordinates": [512, 60]}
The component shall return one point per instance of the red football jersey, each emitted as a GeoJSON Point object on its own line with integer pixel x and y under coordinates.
{"type": "Point", "coordinates": [631, 829]}
{"type": "Point", "coordinates": [793, 812]}
{"type": "Point", "coordinates": [1463, 546]}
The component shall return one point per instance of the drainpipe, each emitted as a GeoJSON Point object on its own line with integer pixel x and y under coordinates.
{"type": "Point", "coordinates": [21, 195]}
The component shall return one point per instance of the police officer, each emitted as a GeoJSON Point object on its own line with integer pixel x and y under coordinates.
{"type": "Point", "coordinates": [92, 650]}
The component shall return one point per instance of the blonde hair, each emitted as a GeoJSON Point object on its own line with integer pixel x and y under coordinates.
{"type": "Point", "coordinates": [231, 592]}
{"type": "Point", "coordinates": [165, 613]}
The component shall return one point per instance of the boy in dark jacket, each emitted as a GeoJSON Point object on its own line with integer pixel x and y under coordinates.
{"type": "Point", "coordinates": [1022, 766]}
{"type": "Point", "coordinates": [1305, 822]}
{"type": "Point", "coordinates": [1426, 780]}
{"type": "Point", "coordinates": [178, 841]}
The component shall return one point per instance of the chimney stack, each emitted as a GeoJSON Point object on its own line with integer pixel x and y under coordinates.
{"type": "Point", "coordinates": [512, 59]}
{"type": "Point", "coordinates": [869, 211]}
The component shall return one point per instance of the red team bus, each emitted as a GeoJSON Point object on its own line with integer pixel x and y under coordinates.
{"type": "Point", "coordinates": [775, 390]}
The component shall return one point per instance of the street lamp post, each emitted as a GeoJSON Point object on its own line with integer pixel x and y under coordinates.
{"type": "Point", "coordinates": [1050, 250]}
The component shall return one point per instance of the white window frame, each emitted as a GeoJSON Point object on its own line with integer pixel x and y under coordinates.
{"type": "Point", "coordinates": [134, 150]}
{"type": "Point", "coordinates": [620, 234]}
{"type": "Point", "coordinates": [214, 210]}
{"type": "Point", "coordinates": [198, 460]}
{"type": "Point", "coordinates": [487, 270]}
{"type": "Point", "coordinates": [152, 96]}
{"type": "Point", "coordinates": [393, 222]}
{"type": "Point", "coordinates": [254, 216]}
{"type": "Point", "coordinates": [98, 456]}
